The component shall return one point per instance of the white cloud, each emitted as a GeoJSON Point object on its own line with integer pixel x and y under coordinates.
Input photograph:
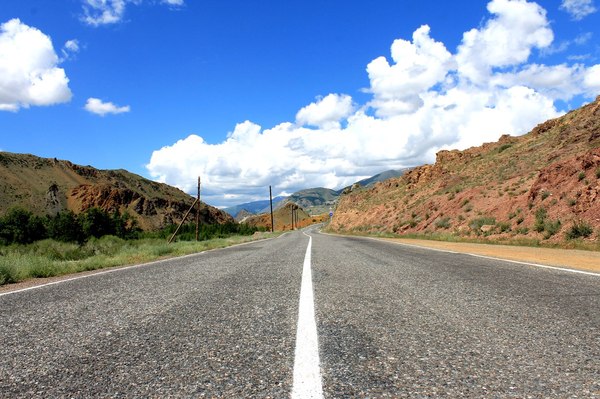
{"type": "Point", "coordinates": [103, 12]}
{"type": "Point", "coordinates": [327, 112]}
{"type": "Point", "coordinates": [592, 80]}
{"type": "Point", "coordinates": [417, 67]}
{"type": "Point", "coordinates": [506, 40]}
{"type": "Point", "coordinates": [424, 99]}
{"type": "Point", "coordinates": [29, 73]}
{"type": "Point", "coordinates": [106, 12]}
{"type": "Point", "coordinates": [578, 9]}
{"type": "Point", "coordinates": [98, 107]}
{"type": "Point", "coordinates": [70, 48]}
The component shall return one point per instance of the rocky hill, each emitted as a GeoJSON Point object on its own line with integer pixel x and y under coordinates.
{"type": "Point", "coordinates": [544, 185]}
{"type": "Point", "coordinates": [48, 186]}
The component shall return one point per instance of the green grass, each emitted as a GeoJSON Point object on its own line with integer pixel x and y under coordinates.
{"type": "Point", "coordinates": [50, 258]}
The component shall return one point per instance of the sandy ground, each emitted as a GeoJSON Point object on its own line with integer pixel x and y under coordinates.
{"type": "Point", "coordinates": [568, 258]}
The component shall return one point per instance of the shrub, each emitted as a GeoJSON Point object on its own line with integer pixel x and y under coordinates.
{"type": "Point", "coordinates": [443, 223]}
{"type": "Point", "coordinates": [65, 227]}
{"type": "Point", "coordinates": [522, 230]}
{"type": "Point", "coordinates": [579, 229]}
{"type": "Point", "coordinates": [19, 226]}
{"type": "Point", "coordinates": [540, 219]}
{"type": "Point", "coordinates": [504, 147]}
{"type": "Point", "coordinates": [551, 228]}
{"type": "Point", "coordinates": [598, 173]}
{"type": "Point", "coordinates": [581, 176]}
{"type": "Point", "coordinates": [476, 224]}
{"type": "Point", "coordinates": [545, 195]}
{"type": "Point", "coordinates": [503, 227]}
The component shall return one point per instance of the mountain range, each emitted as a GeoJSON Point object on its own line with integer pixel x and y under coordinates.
{"type": "Point", "coordinates": [314, 201]}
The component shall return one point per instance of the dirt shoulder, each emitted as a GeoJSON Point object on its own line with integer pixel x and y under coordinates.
{"type": "Point", "coordinates": [568, 258]}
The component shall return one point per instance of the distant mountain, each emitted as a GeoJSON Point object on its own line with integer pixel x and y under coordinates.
{"type": "Point", "coordinates": [314, 201]}
{"type": "Point", "coordinates": [317, 201]}
{"type": "Point", "coordinates": [252, 207]}
{"type": "Point", "coordinates": [48, 186]}
{"type": "Point", "coordinates": [388, 174]}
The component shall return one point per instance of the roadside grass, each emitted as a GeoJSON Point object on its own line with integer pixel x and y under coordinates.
{"type": "Point", "coordinates": [49, 258]}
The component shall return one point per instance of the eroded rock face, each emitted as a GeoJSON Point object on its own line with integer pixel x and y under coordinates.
{"type": "Point", "coordinates": [54, 204]}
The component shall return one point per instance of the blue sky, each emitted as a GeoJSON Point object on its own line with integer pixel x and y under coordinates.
{"type": "Point", "coordinates": [249, 94]}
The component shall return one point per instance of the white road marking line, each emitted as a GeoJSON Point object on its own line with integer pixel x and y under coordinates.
{"type": "Point", "coordinates": [562, 269]}
{"type": "Point", "coordinates": [307, 370]}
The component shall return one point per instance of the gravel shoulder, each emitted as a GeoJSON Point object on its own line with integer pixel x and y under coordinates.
{"type": "Point", "coordinates": [568, 258]}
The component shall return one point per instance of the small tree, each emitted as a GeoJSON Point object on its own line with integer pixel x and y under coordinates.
{"type": "Point", "coordinates": [96, 222]}
{"type": "Point", "coordinates": [65, 227]}
{"type": "Point", "coordinates": [19, 226]}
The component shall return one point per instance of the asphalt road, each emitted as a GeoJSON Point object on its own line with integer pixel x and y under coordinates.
{"type": "Point", "coordinates": [392, 321]}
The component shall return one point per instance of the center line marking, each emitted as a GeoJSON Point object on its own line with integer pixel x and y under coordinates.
{"type": "Point", "coordinates": [307, 371]}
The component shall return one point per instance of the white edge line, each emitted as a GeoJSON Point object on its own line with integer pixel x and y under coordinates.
{"type": "Point", "coordinates": [563, 269]}
{"type": "Point", "coordinates": [307, 370]}
{"type": "Point", "coordinates": [116, 269]}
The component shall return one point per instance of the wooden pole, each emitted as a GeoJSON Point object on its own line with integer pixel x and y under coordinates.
{"type": "Point", "coordinates": [182, 221]}
{"type": "Point", "coordinates": [198, 211]}
{"type": "Point", "coordinates": [271, 201]}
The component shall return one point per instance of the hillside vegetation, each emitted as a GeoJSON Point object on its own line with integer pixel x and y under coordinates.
{"type": "Point", "coordinates": [540, 187]}
{"type": "Point", "coordinates": [48, 186]}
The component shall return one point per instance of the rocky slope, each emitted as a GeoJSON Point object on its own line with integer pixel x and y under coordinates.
{"type": "Point", "coordinates": [536, 186]}
{"type": "Point", "coordinates": [47, 186]}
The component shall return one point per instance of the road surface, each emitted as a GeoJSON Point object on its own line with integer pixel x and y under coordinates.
{"type": "Point", "coordinates": [391, 320]}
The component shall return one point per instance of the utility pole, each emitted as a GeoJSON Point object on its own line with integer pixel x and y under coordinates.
{"type": "Point", "coordinates": [292, 210]}
{"type": "Point", "coordinates": [198, 211]}
{"type": "Point", "coordinates": [271, 201]}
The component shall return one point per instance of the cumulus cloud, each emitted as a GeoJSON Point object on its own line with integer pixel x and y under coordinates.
{"type": "Point", "coordinates": [424, 98]}
{"type": "Point", "coordinates": [506, 40]}
{"type": "Point", "coordinates": [106, 12]}
{"type": "Point", "coordinates": [418, 66]}
{"type": "Point", "coordinates": [29, 72]}
{"type": "Point", "coordinates": [98, 107]}
{"type": "Point", "coordinates": [578, 9]}
{"type": "Point", "coordinates": [327, 112]}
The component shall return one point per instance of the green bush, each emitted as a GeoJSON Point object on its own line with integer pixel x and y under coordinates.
{"type": "Point", "coordinates": [443, 223]}
{"type": "Point", "coordinates": [540, 220]}
{"type": "Point", "coordinates": [476, 224]}
{"type": "Point", "coordinates": [579, 229]}
{"type": "Point", "coordinates": [551, 228]}
{"type": "Point", "coordinates": [21, 227]}
{"type": "Point", "coordinates": [503, 227]}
